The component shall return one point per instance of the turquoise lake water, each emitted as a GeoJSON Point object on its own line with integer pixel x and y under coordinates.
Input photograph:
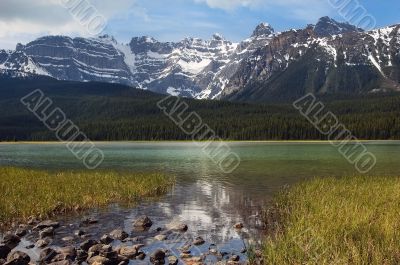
{"type": "Point", "coordinates": [207, 199]}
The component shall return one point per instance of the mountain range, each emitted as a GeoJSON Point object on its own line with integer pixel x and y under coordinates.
{"type": "Point", "coordinates": [329, 57]}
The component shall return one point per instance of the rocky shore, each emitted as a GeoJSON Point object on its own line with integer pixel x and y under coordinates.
{"type": "Point", "coordinates": [42, 242]}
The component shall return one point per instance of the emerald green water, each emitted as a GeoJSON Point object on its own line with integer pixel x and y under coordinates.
{"type": "Point", "coordinates": [204, 196]}
{"type": "Point", "coordinates": [264, 167]}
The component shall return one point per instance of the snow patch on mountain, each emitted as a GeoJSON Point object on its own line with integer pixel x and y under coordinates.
{"type": "Point", "coordinates": [194, 67]}
{"type": "Point", "coordinates": [375, 63]}
{"type": "Point", "coordinates": [129, 57]}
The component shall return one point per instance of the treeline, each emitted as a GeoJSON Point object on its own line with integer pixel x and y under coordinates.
{"type": "Point", "coordinates": [114, 112]}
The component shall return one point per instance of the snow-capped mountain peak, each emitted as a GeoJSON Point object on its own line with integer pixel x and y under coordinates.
{"type": "Point", "coordinates": [327, 26]}
{"type": "Point", "coordinates": [263, 29]}
{"type": "Point", "coordinates": [217, 36]}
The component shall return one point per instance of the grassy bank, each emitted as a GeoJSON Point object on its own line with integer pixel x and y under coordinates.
{"type": "Point", "coordinates": [337, 221]}
{"type": "Point", "coordinates": [26, 192]}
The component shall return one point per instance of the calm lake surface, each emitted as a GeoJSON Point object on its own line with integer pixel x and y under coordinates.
{"type": "Point", "coordinates": [205, 198]}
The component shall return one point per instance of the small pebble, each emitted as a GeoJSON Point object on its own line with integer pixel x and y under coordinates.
{"type": "Point", "coordinates": [160, 237]}
{"type": "Point", "coordinates": [68, 238]}
{"type": "Point", "coordinates": [238, 226]}
{"type": "Point", "coordinates": [199, 241]}
{"type": "Point", "coordinates": [235, 258]}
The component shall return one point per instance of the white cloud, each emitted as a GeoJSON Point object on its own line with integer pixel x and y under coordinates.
{"type": "Point", "coordinates": [22, 20]}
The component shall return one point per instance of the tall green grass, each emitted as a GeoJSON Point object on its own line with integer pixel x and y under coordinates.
{"type": "Point", "coordinates": [354, 220]}
{"type": "Point", "coordinates": [26, 192]}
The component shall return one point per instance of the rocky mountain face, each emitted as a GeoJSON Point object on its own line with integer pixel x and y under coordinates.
{"type": "Point", "coordinates": [329, 57]}
{"type": "Point", "coordinates": [302, 61]}
{"type": "Point", "coordinates": [185, 68]}
{"type": "Point", "coordinates": [327, 27]}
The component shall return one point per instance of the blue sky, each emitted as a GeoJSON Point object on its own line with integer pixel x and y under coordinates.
{"type": "Point", "coordinates": [180, 18]}
{"type": "Point", "coordinates": [171, 20]}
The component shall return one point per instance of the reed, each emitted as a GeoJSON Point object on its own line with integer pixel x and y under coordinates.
{"type": "Point", "coordinates": [41, 193]}
{"type": "Point", "coordinates": [349, 220]}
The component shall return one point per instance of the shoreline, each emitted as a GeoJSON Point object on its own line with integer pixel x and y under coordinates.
{"type": "Point", "coordinates": [97, 238]}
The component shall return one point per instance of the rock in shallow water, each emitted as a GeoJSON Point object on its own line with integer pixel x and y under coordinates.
{"type": "Point", "coordinates": [68, 252]}
{"type": "Point", "coordinates": [11, 240]}
{"type": "Point", "coordinates": [46, 224]}
{"type": "Point", "coordinates": [87, 244]}
{"type": "Point", "coordinates": [122, 260]}
{"type": "Point", "coordinates": [68, 239]}
{"type": "Point", "coordinates": [79, 233]}
{"type": "Point", "coordinates": [21, 232]}
{"type": "Point", "coordinates": [42, 243]}
{"type": "Point", "coordinates": [143, 221]}
{"type": "Point", "coordinates": [4, 251]}
{"type": "Point", "coordinates": [47, 255]}
{"type": "Point", "coordinates": [186, 256]}
{"type": "Point", "coordinates": [46, 232]}
{"type": "Point", "coordinates": [99, 260]}
{"type": "Point", "coordinates": [119, 234]}
{"type": "Point", "coordinates": [30, 246]}
{"type": "Point", "coordinates": [158, 257]}
{"type": "Point", "coordinates": [108, 252]}
{"type": "Point", "coordinates": [198, 241]}
{"type": "Point", "coordinates": [89, 221]}
{"type": "Point", "coordinates": [180, 227]}
{"type": "Point", "coordinates": [185, 249]}
{"type": "Point", "coordinates": [18, 258]}
{"type": "Point", "coordinates": [172, 260]}
{"type": "Point", "coordinates": [106, 239]}
{"type": "Point", "coordinates": [160, 237]}
{"type": "Point", "coordinates": [213, 251]}
{"type": "Point", "coordinates": [81, 255]}
{"type": "Point", "coordinates": [235, 258]}
{"type": "Point", "coordinates": [194, 261]}
{"type": "Point", "coordinates": [141, 255]}
{"type": "Point", "coordinates": [238, 226]}
{"type": "Point", "coordinates": [63, 262]}
{"type": "Point", "coordinates": [129, 252]}
{"type": "Point", "coordinates": [95, 250]}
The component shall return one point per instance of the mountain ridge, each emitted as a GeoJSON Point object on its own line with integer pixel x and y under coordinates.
{"type": "Point", "coordinates": [298, 63]}
{"type": "Point", "coordinates": [217, 68]}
